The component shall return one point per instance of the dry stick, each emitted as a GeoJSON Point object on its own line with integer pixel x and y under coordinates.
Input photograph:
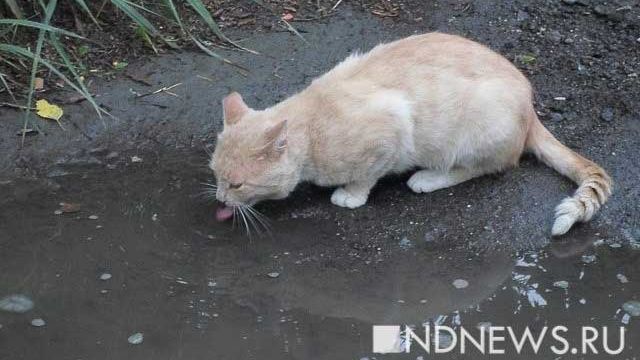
{"type": "Point", "coordinates": [163, 89]}
{"type": "Point", "coordinates": [16, 106]}
{"type": "Point", "coordinates": [336, 5]}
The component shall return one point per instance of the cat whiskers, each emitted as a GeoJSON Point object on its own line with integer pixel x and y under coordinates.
{"type": "Point", "coordinates": [209, 191]}
{"type": "Point", "coordinates": [252, 218]}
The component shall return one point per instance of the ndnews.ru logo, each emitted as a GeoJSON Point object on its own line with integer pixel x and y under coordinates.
{"type": "Point", "coordinates": [495, 340]}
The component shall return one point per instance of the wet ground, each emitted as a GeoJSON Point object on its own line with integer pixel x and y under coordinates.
{"type": "Point", "coordinates": [314, 287]}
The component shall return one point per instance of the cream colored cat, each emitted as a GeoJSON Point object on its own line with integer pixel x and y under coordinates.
{"type": "Point", "coordinates": [443, 104]}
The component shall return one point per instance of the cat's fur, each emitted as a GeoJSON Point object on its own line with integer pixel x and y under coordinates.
{"type": "Point", "coordinates": [443, 104]}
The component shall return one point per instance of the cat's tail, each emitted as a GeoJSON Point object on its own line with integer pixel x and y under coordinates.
{"type": "Point", "coordinates": [594, 185]}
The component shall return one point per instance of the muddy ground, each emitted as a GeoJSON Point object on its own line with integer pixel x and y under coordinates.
{"type": "Point", "coordinates": [199, 289]}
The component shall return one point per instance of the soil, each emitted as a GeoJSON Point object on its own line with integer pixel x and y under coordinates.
{"type": "Point", "coordinates": [314, 287]}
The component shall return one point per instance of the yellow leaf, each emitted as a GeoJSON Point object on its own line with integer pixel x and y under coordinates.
{"type": "Point", "coordinates": [48, 111]}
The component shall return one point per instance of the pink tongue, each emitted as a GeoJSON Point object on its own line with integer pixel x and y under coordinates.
{"type": "Point", "coordinates": [224, 213]}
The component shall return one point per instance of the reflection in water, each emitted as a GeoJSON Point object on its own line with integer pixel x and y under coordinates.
{"type": "Point", "coordinates": [313, 290]}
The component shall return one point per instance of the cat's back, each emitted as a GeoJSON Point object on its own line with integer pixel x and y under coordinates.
{"type": "Point", "coordinates": [431, 55]}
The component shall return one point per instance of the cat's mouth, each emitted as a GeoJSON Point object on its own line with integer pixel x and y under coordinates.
{"type": "Point", "coordinates": [224, 213]}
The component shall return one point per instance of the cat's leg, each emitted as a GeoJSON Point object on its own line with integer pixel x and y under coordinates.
{"type": "Point", "coordinates": [352, 195]}
{"type": "Point", "coordinates": [424, 181]}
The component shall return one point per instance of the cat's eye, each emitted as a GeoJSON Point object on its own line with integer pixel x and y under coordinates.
{"type": "Point", "coordinates": [235, 186]}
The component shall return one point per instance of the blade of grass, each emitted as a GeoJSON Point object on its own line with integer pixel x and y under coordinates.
{"type": "Point", "coordinates": [48, 13]}
{"type": "Point", "coordinates": [6, 86]}
{"type": "Point", "coordinates": [144, 8]}
{"type": "Point", "coordinates": [199, 7]}
{"type": "Point", "coordinates": [135, 16]}
{"type": "Point", "coordinates": [15, 8]}
{"type": "Point", "coordinates": [175, 14]}
{"type": "Point", "coordinates": [85, 8]}
{"type": "Point", "coordinates": [72, 69]}
{"type": "Point", "coordinates": [217, 56]}
{"type": "Point", "coordinates": [39, 25]}
{"type": "Point", "coordinates": [293, 30]}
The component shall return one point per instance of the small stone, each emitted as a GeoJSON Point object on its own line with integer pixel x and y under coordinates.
{"type": "Point", "coordinates": [273, 274]}
{"type": "Point", "coordinates": [632, 307]}
{"type": "Point", "coordinates": [16, 303]}
{"type": "Point", "coordinates": [136, 159]}
{"type": "Point", "coordinates": [562, 284]}
{"type": "Point", "coordinates": [522, 16]}
{"type": "Point", "coordinates": [405, 243]}
{"type": "Point", "coordinates": [105, 276]}
{"type": "Point", "coordinates": [602, 10]}
{"type": "Point", "coordinates": [38, 322]}
{"type": "Point", "coordinates": [483, 326]}
{"type": "Point", "coordinates": [625, 319]}
{"type": "Point", "coordinates": [136, 339]}
{"type": "Point", "coordinates": [582, 301]}
{"type": "Point", "coordinates": [615, 245]}
{"type": "Point", "coordinates": [623, 279]}
{"type": "Point", "coordinates": [556, 116]}
{"type": "Point", "coordinates": [112, 155]}
{"type": "Point", "coordinates": [555, 36]}
{"type": "Point", "coordinates": [93, 217]}
{"type": "Point", "coordinates": [460, 283]}
{"type": "Point", "coordinates": [607, 114]}
{"type": "Point", "coordinates": [588, 259]}
{"type": "Point", "coordinates": [58, 212]}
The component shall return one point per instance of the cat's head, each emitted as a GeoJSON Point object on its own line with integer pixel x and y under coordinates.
{"type": "Point", "coordinates": [251, 160]}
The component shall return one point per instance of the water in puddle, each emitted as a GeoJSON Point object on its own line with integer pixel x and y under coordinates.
{"type": "Point", "coordinates": [135, 253]}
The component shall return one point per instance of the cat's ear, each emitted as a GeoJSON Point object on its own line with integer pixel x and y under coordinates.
{"type": "Point", "coordinates": [276, 137]}
{"type": "Point", "coordinates": [234, 108]}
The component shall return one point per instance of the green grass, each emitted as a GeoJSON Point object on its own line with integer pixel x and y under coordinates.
{"type": "Point", "coordinates": [68, 68]}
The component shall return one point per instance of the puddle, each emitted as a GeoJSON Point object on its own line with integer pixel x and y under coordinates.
{"type": "Point", "coordinates": [140, 254]}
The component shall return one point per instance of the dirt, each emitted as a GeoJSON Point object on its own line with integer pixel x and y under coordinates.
{"type": "Point", "coordinates": [195, 287]}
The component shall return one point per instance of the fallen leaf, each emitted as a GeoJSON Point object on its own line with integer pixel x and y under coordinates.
{"type": "Point", "coordinates": [119, 65]}
{"type": "Point", "coordinates": [69, 207]}
{"type": "Point", "coordinates": [287, 17]}
{"type": "Point", "coordinates": [48, 111]}
{"type": "Point", "coordinates": [38, 83]}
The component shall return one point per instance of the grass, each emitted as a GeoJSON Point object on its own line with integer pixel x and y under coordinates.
{"type": "Point", "coordinates": [53, 54]}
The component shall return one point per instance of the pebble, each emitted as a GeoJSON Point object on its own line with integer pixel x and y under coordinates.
{"type": "Point", "coordinates": [632, 307]}
{"type": "Point", "coordinates": [93, 217]}
{"type": "Point", "coordinates": [588, 259]}
{"type": "Point", "coordinates": [136, 159]}
{"type": "Point", "coordinates": [38, 322]}
{"type": "Point", "coordinates": [105, 276]}
{"type": "Point", "coordinates": [582, 301]}
{"type": "Point", "coordinates": [273, 274]}
{"type": "Point", "coordinates": [460, 283]}
{"type": "Point", "coordinates": [556, 116]}
{"type": "Point", "coordinates": [112, 155]}
{"type": "Point", "coordinates": [562, 284]}
{"type": "Point", "coordinates": [16, 303]}
{"type": "Point", "coordinates": [607, 114]}
{"type": "Point", "coordinates": [58, 212]}
{"type": "Point", "coordinates": [623, 279]}
{"type": "Point", "coordinates": [136, 339]}
{"type": "Point", "coordinates": [615, 245]}
{"type": "Point", "coordinates": [405, 243]}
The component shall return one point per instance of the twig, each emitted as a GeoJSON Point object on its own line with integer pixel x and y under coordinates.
{"type": "Point", "coordinates": [16, 106]}
{"type": "Point", "coordinates": [163, 89]}
{"type": "Point", "coordinates": [336, 5]}
{"type": "Point", "coordinates": [293, 30]}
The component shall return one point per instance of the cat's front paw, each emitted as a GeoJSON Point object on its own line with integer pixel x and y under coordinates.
{"type": "Point", "coordinates": [342, 197]}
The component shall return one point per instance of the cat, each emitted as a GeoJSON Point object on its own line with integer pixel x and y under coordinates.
{"type": "Point", "coordinates": [442, 104]}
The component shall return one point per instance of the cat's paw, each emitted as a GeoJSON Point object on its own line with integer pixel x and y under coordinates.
{"type": "Point", "coordinates": [425, 181]}
{"type": "Point", "coordinates": [342, 197]}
